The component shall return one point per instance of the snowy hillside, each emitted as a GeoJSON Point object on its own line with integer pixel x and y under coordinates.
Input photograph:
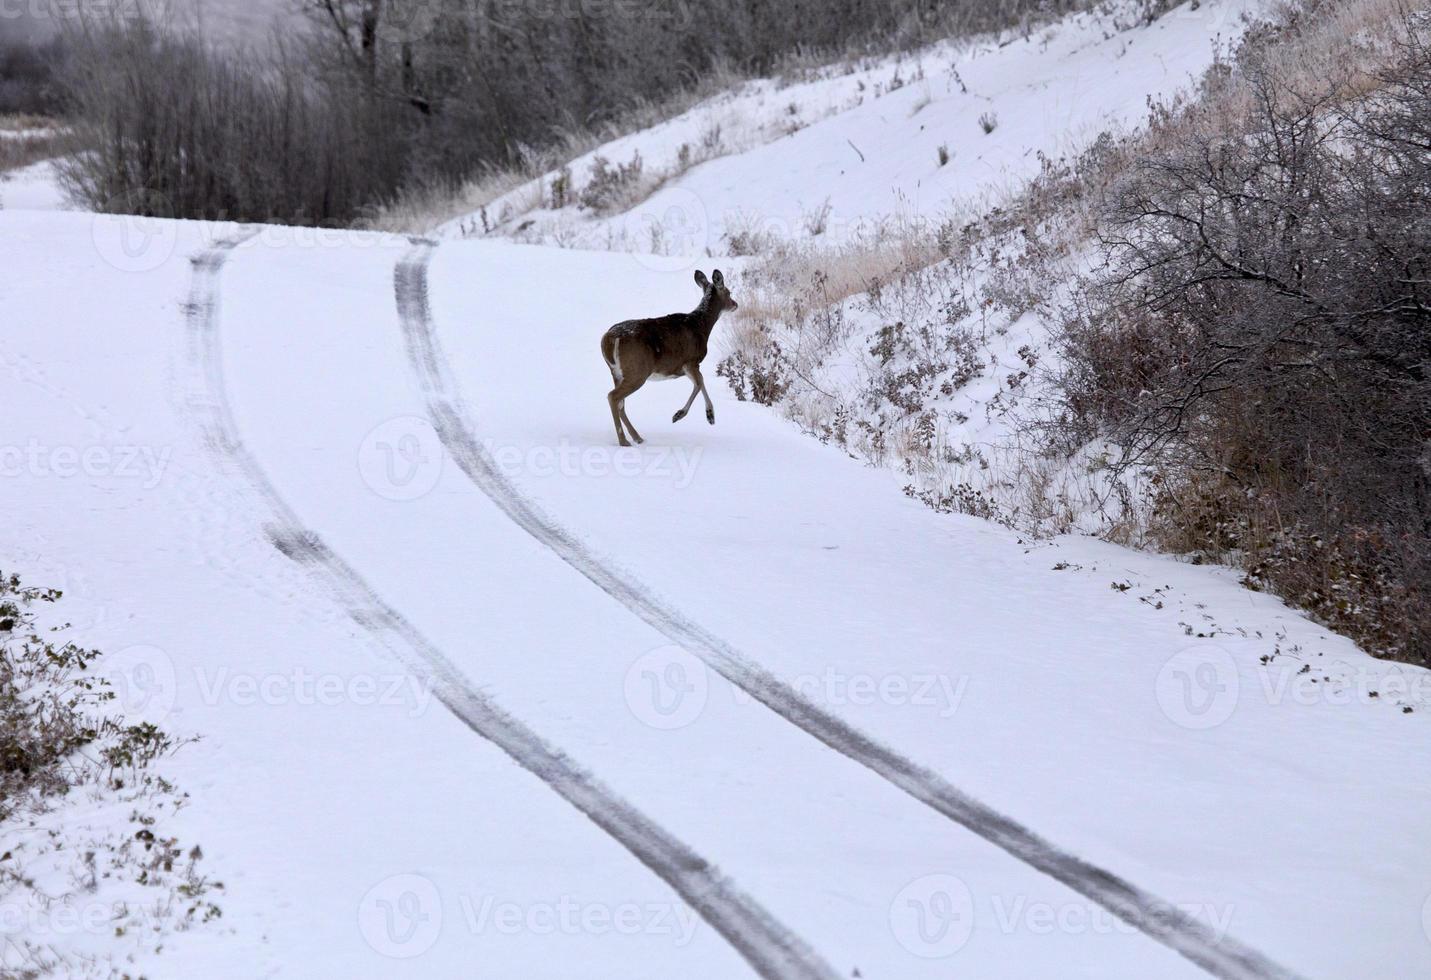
{"type": "Point", "coordinates": [827, 157]}
{"type": "Point", "coordinates": [478, 692]}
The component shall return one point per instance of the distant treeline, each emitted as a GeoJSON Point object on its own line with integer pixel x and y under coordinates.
{"type": "Point", "coordinates": [30, 76]}
{"type": "Point", "coordinates": [383, 94]}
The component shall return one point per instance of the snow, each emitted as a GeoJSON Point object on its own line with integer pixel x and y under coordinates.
{"type": "Point", "coordinates": [1147, 716]}
{"type": "Point", "coordinates": [1036, 691]}
{"type": "Point", "coordinates": [866, 143]}
{"type": "Point", "coordinates": [32, 188]}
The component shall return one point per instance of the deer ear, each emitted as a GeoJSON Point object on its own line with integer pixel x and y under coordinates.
{"type": "Point", "coordinates": [701, 280]}
{"type": "Point", "coordinates": [719, 279]}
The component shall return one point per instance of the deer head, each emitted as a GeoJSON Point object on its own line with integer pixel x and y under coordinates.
{"type": "Point", "coordinates": [716, 291]}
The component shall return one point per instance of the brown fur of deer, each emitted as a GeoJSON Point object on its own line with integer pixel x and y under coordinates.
{"type": "Point", "coordinates": [665, 347]}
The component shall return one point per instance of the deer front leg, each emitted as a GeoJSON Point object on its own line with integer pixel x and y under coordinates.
{"type": "Point", "coordinates": [695, 390]}
{"type": "Point", "coordinates": [700, 381]}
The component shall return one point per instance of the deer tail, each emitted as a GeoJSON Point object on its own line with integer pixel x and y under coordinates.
{"type": "Point", "coordinates": [611, 351]}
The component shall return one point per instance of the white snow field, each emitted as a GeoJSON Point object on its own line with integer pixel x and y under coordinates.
{"type": "Point", "coordinates": [363, 832]}
{"type": "Point", "coordinates": [481, 694]}
{"type": "Point", "coordinates": [32, 188]}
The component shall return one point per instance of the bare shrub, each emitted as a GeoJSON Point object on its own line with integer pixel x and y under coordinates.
{"type": "Point", "coordinates": [757, 373]}
{"type": "Point", "coordinates": [426, 203]}
{"type": "Point", "coordinates": [612, 188]}
{"type": "Point", "coordinates": [816, 220]}
{"type": "Point", "coordinates": [35, 141]}
{"type": "Point", "coordinates": [748, 234]}
{"type": "Point", "coordinates": [175, 127]}
{"type": "Point", "coordinates": [1263, 334]}
{"type": "Point", "coordinates": [60, 740]}
{"type": "Point", "coordinates": [560, 189]}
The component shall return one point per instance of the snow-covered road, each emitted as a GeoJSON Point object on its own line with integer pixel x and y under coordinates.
{"type": "Point", "coordinates": [703, 777]}
{"type": "Point", "coordinates": [1161, 920]}
{"type": "Point", "coordinates": [157, 446]}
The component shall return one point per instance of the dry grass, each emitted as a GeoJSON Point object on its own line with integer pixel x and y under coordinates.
{"type": "Point", "coordinates": [24, 122]}
{"type": "Point", "coordinates": [421, 208]}
{"type": "Point", "coordinates": [772, 283]}
{"type": "Point", "coordinates": [27, 140]}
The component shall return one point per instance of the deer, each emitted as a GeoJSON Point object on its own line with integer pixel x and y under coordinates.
{"type": "Point", "coordinates": [664, 348]}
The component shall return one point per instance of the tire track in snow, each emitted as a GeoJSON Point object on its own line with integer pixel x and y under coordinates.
{"type": "Point", "coordinates": [768, 946]}
{"type": "Point", "coordinates": [1160, 920]}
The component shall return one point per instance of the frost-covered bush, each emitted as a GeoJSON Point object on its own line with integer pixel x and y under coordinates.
{"type": "Point", "coordinates": [611, 187]}
{"type": "Point", "coordinates": [1261, 336]}
{"type": "Point", "coordinates": [62, 744]}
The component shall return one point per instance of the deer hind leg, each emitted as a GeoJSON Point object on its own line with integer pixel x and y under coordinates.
{"type": "Point", "coordinates": [629, 427]}
{"type": "Point", "coordinates": [614, 400]}
{"type": "Point", "coordinates": [611, 353]}
{"type": "Point", "coordinates": [617, 399]}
